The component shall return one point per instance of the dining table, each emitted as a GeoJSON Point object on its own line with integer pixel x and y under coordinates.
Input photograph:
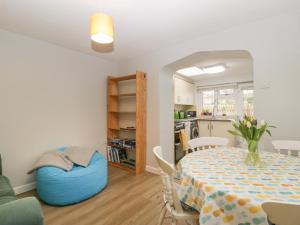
{"type": "Point", "coordinates": [218, 184]}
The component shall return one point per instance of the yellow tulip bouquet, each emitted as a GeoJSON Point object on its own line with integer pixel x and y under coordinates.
{"type": "Point", "coordinates": [251, 131]}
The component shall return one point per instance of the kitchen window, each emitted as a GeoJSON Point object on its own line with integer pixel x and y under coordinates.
{"type": "Point", "coordinates": [208, 100]}
{"type": "Point", "coordinates": [226, 104]}
{"type": "Point", "coordinates": [226, 101]}
{"type": "Point", "coordinates": [248, 97]}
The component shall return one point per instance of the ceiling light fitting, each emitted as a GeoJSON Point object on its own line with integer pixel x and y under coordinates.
{"type": "Point", "coordinates": [102, 30]}
{"type": "Point", "coordinates": [214, 69]}
{"type": "Point", "coordinates": [196, 71]}
{"type": "Point", "coordinates": [190, 71]}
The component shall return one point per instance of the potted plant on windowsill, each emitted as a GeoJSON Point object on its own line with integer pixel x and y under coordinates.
{"type": "Point", "coordinates": [251, 131]}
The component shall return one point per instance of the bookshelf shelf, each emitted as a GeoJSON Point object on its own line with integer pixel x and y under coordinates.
{"type": "Point", "coordinates": [128, 129]}
{"type": "Point", "coordinates": [116, 107]}
{"type": "Point", "coordinates": [119, 165]}
{"type": "Point", "coordinates": [122, 112]}
{"type": "Point", "coordinates": [124, 95]}
{"type": "Point", "coordinates": [123, 128]}
{"type": "Point", "coordinates": [120, 147]}
{"type": "Point", "coordinates": [123, 78]}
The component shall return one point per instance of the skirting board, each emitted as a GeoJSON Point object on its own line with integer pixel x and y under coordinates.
{"type": "Point", "coordinates": [152, 169]}
{"type": "Point", "coordinates": [24, 188]}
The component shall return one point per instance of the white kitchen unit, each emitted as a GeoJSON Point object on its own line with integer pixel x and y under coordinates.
{"type": "Point", "coordinates": [204, 128]}
{"type": "Point", "coordinates": [184, 92]}
{"type": "Point", "coordinates": [216, 128]}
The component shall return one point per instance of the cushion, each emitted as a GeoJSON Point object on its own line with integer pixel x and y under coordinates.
{"type": "Point", "coordinates": [59, 187]}
{"type": "Point", "coordinates": [6, 199]}
{"type": "Point", "coordinates": [5, 187]}
{"type": "Point", "coordinates": [25, 211]}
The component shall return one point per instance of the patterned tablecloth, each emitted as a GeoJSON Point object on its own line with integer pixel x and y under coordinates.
{"type": "Point", "coordinates": [224, 190]}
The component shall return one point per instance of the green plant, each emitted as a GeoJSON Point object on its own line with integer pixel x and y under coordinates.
{"type": "Point", "coordinates": [205, 110]}
{"type": "Point", "coordinates": [251, 131]}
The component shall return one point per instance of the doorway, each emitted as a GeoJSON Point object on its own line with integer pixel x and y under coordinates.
{"type": "Point", "coordinates": [210, 89]}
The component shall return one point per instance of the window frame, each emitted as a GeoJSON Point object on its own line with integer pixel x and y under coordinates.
{"type": "Point", "coordinates": [237, 95]}
{"type": "Point", "coordinates": [248, 87]}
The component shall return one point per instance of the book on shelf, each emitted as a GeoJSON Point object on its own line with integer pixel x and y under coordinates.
{"type": "Point", "coordinates": [122, 143]}
{"type": "Point", "coordinates": [109, 153]}
{"type": "Point", "coordinates": [117, 151]}
{"type": "Point", "coordinates": [113, 154]}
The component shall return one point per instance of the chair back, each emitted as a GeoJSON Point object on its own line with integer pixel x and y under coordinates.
{"type": "Point", "coordinates": [290, 146]}
{"type": "Point", "coordinates": [168, 172]}
{"type": "Point", "coordinates": [207, 142]}
{"type": "Point", "coordinates": [282, 213]}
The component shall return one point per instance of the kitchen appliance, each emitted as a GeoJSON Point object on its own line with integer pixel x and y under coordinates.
{"type": "Point", "coordinates": [179, 126]}
{"type": "Point", "coordinates": [178, 152]}
{"type": "Point", "coordinates": [194, 129]}
{"type": "Point", "coordinates": [186, 126]}
{"type": "Point", "coordinates": [191, 114]}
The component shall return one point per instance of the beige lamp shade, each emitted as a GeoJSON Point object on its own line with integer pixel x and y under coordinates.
{"type": "Point", "coordinates": [102, 30]}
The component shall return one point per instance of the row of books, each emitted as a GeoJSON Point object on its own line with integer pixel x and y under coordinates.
{"type": "Point", "coordinates": [117, 155]}
{"type": "Point", "coordinates": [113, 154]}
{"type": "Point", "coordinates": [123, 143]}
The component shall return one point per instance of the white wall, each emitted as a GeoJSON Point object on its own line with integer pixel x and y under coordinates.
{"type": "Point", "coordinates": [50, 97]}
{"type": "Point", "coordinates": [275, 47]}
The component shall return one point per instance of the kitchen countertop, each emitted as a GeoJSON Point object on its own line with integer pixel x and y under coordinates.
{"type": "Point", "coordinates": [204, 119]}
{"type": "Point", "coordinates": [216, 119]}
{"type": "Point", "coordinates": [186, 119]}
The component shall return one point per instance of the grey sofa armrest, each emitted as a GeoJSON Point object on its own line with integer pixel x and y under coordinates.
{"type": "Point", "coordinates": [0, 165]}
{"type": "Point", "coordinates": [25, 211]}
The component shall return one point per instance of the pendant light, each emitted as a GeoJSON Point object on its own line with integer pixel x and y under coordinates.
{"type": "Point", "coordinates": [102, 30]}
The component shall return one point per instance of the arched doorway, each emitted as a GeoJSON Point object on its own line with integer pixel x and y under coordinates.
{"type": "Point", "coordinates": [238, 71]}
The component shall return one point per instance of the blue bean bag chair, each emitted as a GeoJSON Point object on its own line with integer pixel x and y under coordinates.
{"type": "Point", "coordinates": [59, 187]}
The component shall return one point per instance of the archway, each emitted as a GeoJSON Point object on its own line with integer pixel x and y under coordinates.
{"type": "Point", "coordinates": [166, 105]}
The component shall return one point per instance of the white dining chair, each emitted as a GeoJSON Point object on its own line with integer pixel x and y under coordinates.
{"type": "Point", "coordinates": [207, 143]}
{"type": "Point", "coordinates": [172, 203]}
{"type": "Point", "coordinates": [290, 146]}
{"type": "Point", "coordinates": [282, 213]}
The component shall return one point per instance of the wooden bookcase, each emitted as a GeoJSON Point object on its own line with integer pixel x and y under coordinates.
{"type": "Point", "coordinates": [126, 118]}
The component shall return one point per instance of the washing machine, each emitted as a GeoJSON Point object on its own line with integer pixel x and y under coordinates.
{"type": "Point", "coordinates": [194, 129]}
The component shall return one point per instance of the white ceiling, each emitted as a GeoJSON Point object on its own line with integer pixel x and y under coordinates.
{"type": "Point", "coordinates": [237, 63]}
{"type": "Point", "coordinates": [141, 26]}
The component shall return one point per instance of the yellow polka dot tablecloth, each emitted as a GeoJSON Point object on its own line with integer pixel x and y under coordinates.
{"type": "Point", "coordinates": [218, 184]}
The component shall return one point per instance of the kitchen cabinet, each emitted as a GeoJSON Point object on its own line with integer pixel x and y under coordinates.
{"type": "Point", "coordinates": [216, 128]}
{"type": "Point", "coordinates": [184, 92]}
{"type": "Point", "coordinates": [204, 128]}
{"type": "Point", "coordinates": [220, 129]}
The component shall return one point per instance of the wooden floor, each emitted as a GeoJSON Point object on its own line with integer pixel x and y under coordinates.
{"type": "Point", "coordinates": [127, 200]}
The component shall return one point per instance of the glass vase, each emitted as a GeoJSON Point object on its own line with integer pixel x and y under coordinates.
{"type": "Point", "coordinates": [253, 157]}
